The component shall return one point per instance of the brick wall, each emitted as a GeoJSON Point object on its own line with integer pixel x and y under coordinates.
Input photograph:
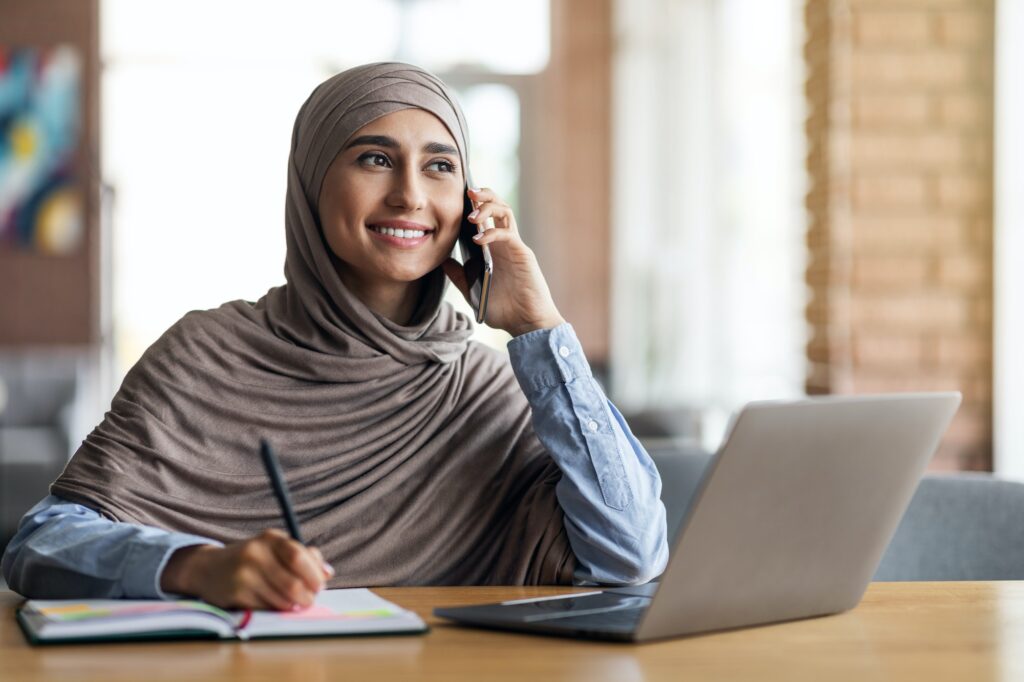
{"type": "Point", "coordinates": [574, 160]}
{"type": "Point", "coordinates": [900, 96]}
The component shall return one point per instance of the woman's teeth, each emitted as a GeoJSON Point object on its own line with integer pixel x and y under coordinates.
{"type": "Point", "coordinates": [392, 232]}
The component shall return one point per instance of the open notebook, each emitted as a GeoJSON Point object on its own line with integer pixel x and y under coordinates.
{"type": "Point", "coordinates": [335, 613]}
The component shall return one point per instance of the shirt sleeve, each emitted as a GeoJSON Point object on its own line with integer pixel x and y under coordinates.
{"type": "Point", "coordinates": [610, 490]}
{"type": "Point", "coordinates": [68, 550]}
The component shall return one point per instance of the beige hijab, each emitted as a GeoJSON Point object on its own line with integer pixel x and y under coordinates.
{"type": "Point", "coordinates": [408, 449]}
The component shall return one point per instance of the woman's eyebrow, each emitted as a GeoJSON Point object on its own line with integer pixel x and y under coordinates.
{"type": "Point", "coordinates": [392, 143]}
{"type": "Point", "coordinates": [374, 141]}
{"type": "Point", "coordinates": [439, 148]}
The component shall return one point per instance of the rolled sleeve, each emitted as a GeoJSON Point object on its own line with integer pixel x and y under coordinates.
{"type": "Point", "coordinates": [547, 362]}
{"type": "Point", "coordinates": [610, 488]}
{"type": "Point", "coordinates": [68, 550]}
{"type": "Point", "coordinates": [546, 358]}
{"type": "Point", "coordinates": [149, 553]}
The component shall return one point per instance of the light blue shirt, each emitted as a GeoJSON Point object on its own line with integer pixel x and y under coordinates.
{"type": "Point", "coordinates": [609, 493]}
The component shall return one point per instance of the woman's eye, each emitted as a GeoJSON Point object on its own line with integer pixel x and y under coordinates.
{"type": "Point", "coordinates": [374, 159]}
{"type": "Point", "coordinates": [442, 166]}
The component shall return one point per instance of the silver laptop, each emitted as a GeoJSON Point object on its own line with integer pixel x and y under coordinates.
{"type": "Point", "coordinates": [790, 521]}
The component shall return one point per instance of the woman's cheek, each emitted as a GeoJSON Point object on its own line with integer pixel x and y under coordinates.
{"type": "Point", "coordinates": [449, 241]}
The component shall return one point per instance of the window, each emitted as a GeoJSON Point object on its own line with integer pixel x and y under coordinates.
{"type": "Point", "coordinates": [197, 119]}
{"type": "Point", "coordinates": [1009, 241]}
{"type": "Point", "coordinates": [708, 222]}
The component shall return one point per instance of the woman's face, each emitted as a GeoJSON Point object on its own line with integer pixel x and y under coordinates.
{"type": "Point", "coordinates": [391, 202]}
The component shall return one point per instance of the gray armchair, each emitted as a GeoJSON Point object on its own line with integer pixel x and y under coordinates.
{"type": "Point", "coordinates": [681, 471]}
{"type": "Point", "coordinates": [967, 526]}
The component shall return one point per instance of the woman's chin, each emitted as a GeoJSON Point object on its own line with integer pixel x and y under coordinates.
{"type": "Point", "coordinates": [408, 276]}
{"type": "Point", "coordinates": [409, 273]}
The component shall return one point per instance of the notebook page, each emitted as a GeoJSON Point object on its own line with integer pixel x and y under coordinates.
{"type": "Point", "coordinates": [344, 611]}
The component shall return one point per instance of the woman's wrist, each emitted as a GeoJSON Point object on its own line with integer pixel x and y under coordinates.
{"type": "Point", "coordinates": [184, 569]}
{"type": "Point", "coordinates": [547, 323]}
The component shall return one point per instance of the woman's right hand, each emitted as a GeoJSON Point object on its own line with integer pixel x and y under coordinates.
{"type": "Point", "coordinates": [269, 571]}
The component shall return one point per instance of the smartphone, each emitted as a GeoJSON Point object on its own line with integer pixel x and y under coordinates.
{"type": "Point", "coordinates": [476, 260]}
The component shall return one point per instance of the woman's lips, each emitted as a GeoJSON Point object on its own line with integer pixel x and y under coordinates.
{"type": "Point", "coordinates": [401, 242]}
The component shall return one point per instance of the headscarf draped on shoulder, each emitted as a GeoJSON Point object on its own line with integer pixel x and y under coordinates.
{"type": "Point", "coordinates": [408, 449]}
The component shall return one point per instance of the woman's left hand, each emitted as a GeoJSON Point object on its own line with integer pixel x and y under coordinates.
{"type": "Point", "coordinates": [520, 300]}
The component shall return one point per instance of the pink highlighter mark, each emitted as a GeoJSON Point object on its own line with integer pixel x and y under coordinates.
{"type": "Point", "coordinates": [312, 612]}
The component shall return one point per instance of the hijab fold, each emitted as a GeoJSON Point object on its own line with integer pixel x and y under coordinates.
{"type": "Point", "coordinates": [408, 449]}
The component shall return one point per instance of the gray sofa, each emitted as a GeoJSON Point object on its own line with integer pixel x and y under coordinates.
{"type": "Point", "coordinates": [39, 389]}
{"type": "Point", "coordinates": [965, 526]}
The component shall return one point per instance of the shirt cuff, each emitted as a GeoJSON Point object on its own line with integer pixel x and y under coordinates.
{"type": "Point", "coordinates": [545, 358]}
{"type": "Point", "coordinates": [147, 560]}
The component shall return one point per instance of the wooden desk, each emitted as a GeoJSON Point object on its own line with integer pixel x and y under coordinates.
{"type": "Point", "coordinates": [901, 631]}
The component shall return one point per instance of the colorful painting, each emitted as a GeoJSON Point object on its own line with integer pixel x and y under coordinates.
{"type": "Point", "coordinates": [40, 126]}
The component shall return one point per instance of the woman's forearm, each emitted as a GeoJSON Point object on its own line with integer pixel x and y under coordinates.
{"type": "Point", "coordinates": [610, 488]}
{"type": "Point", "coordinates": [67, 550]}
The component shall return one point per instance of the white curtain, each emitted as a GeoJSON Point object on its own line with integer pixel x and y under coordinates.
{"type": "Point", "coordinates": [1009, 241]}
{"type": "Point", "coordinates": [708, 224]}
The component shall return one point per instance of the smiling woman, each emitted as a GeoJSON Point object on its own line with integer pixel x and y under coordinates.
{"type": "Point", "coordinates": [391, 206]}
{"type": "Point", "coordinates": [414, 455]}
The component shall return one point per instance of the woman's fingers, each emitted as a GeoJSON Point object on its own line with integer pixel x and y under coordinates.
{"type": "Point", "coordinates": [266, 596]}
{"type": "Point", "coordinates": [259, 569]}
{"type": "Point", "coordinates": [326, 567]}
{"type": "Point", "coordinates": [488, 204]}
{"type": "Point", "coordinates": [296, 563]}
{"type": "Point", "coordinates": [502, 214]}
{"type": "Point", "coordinates": [492, 236]}
{"type": "Point", "coordinates": [268, 571]}
{"type": "Point", "coordinates": [484, 194]}
{"type": "Point", "coordinates": [525, 303]}
{"type": "Point", "coordinates": [295, 557]}
{"type": "Point", "coordinates": [275, 567]}
{"type": "Point", "coordinates": [245, 586]}
{"type": "Point", "coordinates": [290, 587]}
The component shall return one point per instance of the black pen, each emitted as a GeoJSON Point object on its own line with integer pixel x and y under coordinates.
{"type": "Point", "coordinates": [280, 489]}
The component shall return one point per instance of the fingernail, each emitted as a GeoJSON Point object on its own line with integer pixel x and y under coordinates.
{"type": "Point", "coordinates": [296, 607]}
{"type": "Point", "coordinates": [477, 237]}
{"type": "Point", "coordinates": [473, 214]}
{"type": "Point", "coordinates": [328, 569]}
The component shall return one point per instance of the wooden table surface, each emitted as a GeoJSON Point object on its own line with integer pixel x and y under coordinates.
{"type": "Point", "coordinates": [901, 631]}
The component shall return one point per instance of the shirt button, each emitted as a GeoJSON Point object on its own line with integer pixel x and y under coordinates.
{"type": "Point", "coordinates": [592, 425]}
{"type": "Point", "coordinates": [564, 351]}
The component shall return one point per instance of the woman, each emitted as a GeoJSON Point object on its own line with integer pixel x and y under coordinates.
{"type": "Point", "coordinates": [409, 450]}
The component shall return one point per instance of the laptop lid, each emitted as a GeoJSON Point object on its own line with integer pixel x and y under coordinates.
{"type": "Point", "coordinates": [795, 511]}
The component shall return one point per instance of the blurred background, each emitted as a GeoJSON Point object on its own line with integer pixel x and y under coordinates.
{"type": "Point", "coordinates": [732, 200]}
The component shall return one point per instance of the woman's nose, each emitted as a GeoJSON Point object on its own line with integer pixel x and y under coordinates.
{"type": "Point", "coordinates": [407, 190]}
